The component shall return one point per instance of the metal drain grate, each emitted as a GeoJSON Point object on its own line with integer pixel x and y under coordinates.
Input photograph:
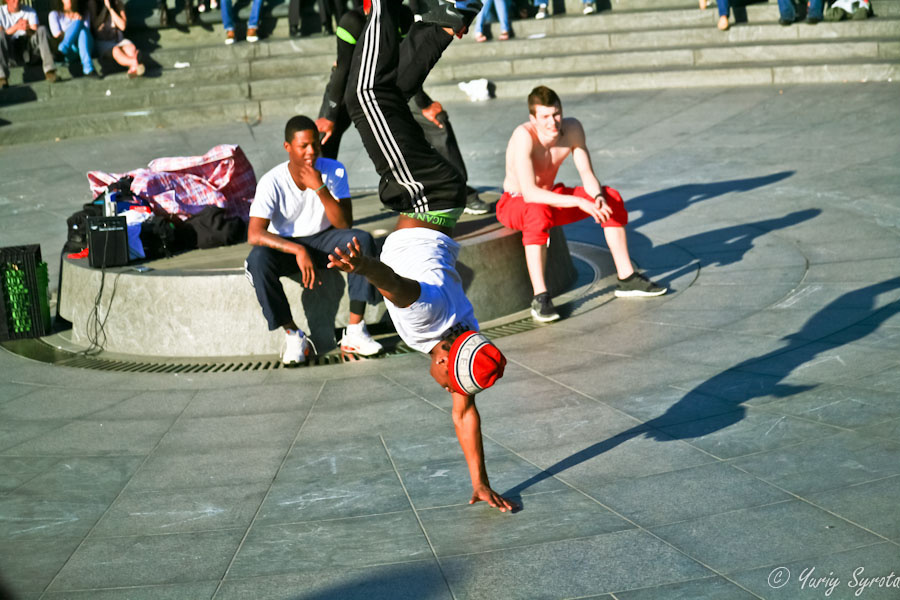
{"type": "Point", "coordinates": [38, 350]}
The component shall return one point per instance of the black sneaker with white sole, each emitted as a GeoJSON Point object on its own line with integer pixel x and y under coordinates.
{"type": "Point", "coordinates": [637, 285]}
{"type": "Point", "coordinates": [542, 309]}
{"type": "Point", "coordinates": [477, 206]}
{"type": "Point", "coordinates": [454, 15]}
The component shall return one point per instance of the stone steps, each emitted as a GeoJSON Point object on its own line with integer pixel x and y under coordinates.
{"type": "Point", "coordinates": [627, 48]}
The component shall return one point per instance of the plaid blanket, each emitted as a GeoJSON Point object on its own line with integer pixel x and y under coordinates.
{"type": "Point", "coordinates": [185, 185]}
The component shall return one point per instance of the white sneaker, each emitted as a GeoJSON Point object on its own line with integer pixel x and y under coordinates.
{"type": "Point", "coordinates": [297, 348]}
{"type": "Point", "coordinates": [358, 341]}
{"type": "Point", "coordinates": [542, 12]}
{"type": "Point", "coordinates": [589, 8]}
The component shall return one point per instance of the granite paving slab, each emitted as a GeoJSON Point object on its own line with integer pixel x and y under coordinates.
{"type": "Point", "coordinates": [30, 565]}
{"type": "Point", "coordinates": [83, 478]}
{"type": "Point", "coordinates": [776, 533]}
{"type": "Point", "coordinates": [337, 543]}
{"type": "Point", "coordinates": [182, 591]}
{"type": "Point", "coordinates": [332, 497]}
{"type": "Point", "coordinates": [870, 505]}
{"type": "Point", "coordinates": [145, 512]}
{"type": "Point", "coordinates": [414, 580]}
{"type": "Point", "coordinates": [579, 567]}
{"type": "Point", "coordinates": [447, 483]}
{"type": "Point", "coordinates": [148, 559]}
{"type": "Point", "coordinates": [819, 465]}
{"type": "Point", "coordinates": [550, 517]}
{"type": "Point", "coordinates": [710, 588]}
{"type": "Point", "coordinates": [743, 432]}
{"type": "Point", "coordinates": [685, 494]}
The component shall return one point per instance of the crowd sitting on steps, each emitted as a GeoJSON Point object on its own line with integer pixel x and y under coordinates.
{"type": "Point", "coordinates": [75, 34]}
{"type": "Point", "coordinates": [79, 31]}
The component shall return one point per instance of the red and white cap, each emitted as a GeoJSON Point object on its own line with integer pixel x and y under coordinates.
{"type": "Point", "coordinates": [475, 363]}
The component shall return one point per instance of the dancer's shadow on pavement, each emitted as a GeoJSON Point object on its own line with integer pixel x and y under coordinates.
{"type": "Point", "coordinates": [664, 203]}
{"type": "Point", "coordinates": [724, 394]}
{"type": "Point", "coordinates": [388, 582]}
{"type": "Point", "coordinates": [720, 247]}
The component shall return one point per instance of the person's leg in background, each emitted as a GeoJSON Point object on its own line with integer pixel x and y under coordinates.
{"type": "Point", "coordinates": [228, 21]}
{"type": "Point", "coordinates": [724, 10]}
{"type": "Point", "coordinates": [253, 21]}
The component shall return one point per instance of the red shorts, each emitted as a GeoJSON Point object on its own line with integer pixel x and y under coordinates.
{"type": "Point", "coordinates": [534, 220]}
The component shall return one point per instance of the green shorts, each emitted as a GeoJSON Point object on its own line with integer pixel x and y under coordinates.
{"type": "Point", "coordinates": [444, 218]}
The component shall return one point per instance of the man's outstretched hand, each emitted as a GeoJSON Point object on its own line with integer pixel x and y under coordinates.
{"type": "Point", "coordinates": [349, 260]}
{"type": "Point", "coordinates": [495, 500]}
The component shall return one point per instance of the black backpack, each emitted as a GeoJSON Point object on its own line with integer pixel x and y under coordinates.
{"type": "Point", "coordinates": [76, 241]}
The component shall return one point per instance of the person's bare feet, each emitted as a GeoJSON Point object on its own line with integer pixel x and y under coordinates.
{"type": "Point", "coordinates": [723, 23]}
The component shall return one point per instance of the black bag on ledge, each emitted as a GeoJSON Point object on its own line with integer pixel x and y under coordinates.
{"type": "Point", "coordinates": [214, 228]}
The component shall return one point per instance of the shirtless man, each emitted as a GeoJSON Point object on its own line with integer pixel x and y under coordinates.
{"type": "Point", "coordinates": [533, 203]}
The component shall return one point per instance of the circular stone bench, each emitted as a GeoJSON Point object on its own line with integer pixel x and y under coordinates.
{"type": "Point", "coordinates": [200, 303]}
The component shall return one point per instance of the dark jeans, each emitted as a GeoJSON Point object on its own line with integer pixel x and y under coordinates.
{"type": "Point", "coordinates": [264, 267]}
{"type": "Point", "coordinates": [789, 12]}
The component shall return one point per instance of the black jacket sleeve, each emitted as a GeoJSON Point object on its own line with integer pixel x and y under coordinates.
{"type": "Point", "coordinates": [348, 31]}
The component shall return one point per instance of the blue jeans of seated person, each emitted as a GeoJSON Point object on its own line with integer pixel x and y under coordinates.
{"type": "Point", "coordinates": [78, 44]}
{"type": "Point", "coordinates": [228, 14]}
{"type": "Point", "coordinates": [264, 267]}
{"type": "Point", "coordinates": [723, 7]}
{"type": "Point", "coordinates": [789, 13]}
{"type": "Point", "coordinates": [502, 15]}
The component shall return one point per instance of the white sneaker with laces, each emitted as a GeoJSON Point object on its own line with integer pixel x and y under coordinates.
{"type": "Point", "coordinates": [542, 12]}
{"type": "Point", "coordinates": [589, 8]}
{"type": "Point", "coordinates": [297, 348]}
{"type": "Point", "coordinates": [358, 341]}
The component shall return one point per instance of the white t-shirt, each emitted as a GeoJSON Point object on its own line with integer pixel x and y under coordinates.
{"type": "Point", "coordinates": [293, 212]}
{"type": "Point", "coordinates": [8, 19]}
{"type": "Point", "coordinates": [429, 257]}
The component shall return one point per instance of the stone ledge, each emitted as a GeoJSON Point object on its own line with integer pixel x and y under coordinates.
{"type": "Point", "coordinates": [200, 303]}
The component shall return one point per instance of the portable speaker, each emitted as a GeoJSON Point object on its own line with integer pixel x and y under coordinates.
{"type": "Point", "coordinates": [107, 240]}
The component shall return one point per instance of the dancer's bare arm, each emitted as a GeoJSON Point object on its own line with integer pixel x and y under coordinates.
{"type": "Point", "coordinates": [467, 422]}
{"type": "Point", "coordinates": [401, 291]}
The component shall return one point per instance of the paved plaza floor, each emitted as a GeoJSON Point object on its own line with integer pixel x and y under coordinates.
{"type": "Point", "coordinates": [737, 438]}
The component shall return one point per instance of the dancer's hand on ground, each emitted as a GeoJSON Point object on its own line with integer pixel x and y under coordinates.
{"type": "Point", "coordinates": [325, 127]}
{"type": "Point", "coordinates": [307, 269]}
{"type": "Point", "coordinates": [495, 500]}
{"type": "Point", "coordinates": [431, 112]}
{"type": "Point", "coordinates": [349, 260]}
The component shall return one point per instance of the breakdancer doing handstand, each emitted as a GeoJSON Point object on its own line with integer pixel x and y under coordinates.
{"type": "Point", "coordinates": [417, 271]}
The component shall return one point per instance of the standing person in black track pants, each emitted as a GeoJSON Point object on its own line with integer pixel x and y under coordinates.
{"type": "Point", "coordinates": [385, 71]}
{"type": "Point", "coordinates": [334, 120]}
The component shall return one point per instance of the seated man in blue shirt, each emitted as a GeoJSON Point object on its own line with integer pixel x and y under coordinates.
{"type": "Point", "coordinates": [301, 211]}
